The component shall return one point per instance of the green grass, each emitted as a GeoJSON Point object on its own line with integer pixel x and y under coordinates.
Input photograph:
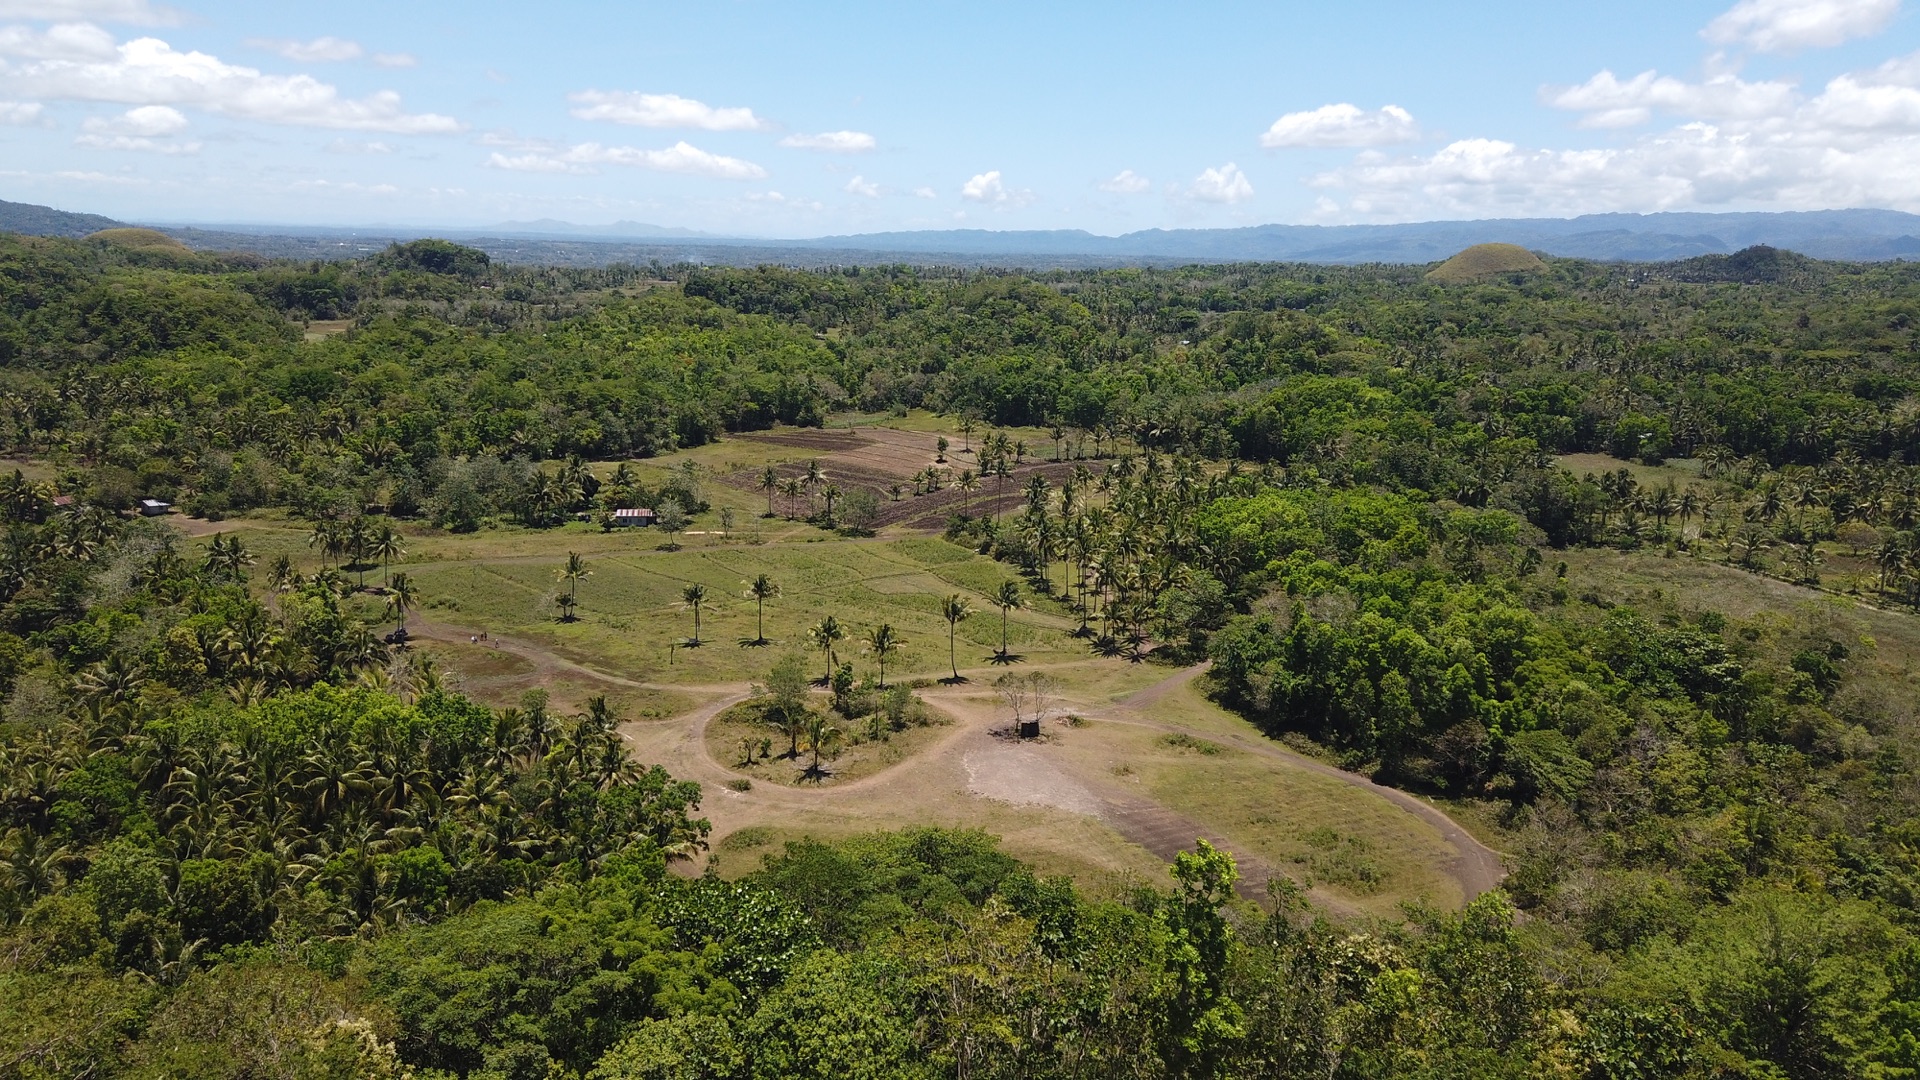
{"type": "Point", "coordinates": [630, 609]}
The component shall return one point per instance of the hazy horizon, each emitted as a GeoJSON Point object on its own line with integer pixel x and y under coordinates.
{"type": "Point", "coordinates": [757, 120]}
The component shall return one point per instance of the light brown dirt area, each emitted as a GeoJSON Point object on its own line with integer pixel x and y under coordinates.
{"type": "Point", "coordinates": [1117, 792]}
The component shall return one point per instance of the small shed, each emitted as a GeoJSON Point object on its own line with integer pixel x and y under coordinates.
{"type": "Point", "coordinates": [64, 502]}
{"type": "Point", "coordinates": [638, 516]}
{"type": "Point", "coordinates": [154, 507]}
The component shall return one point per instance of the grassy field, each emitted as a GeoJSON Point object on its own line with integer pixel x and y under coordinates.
{"type": "Point", "coordinates": [1677, 471]}
{"type": "Point", "coordinates": [1051, 804]}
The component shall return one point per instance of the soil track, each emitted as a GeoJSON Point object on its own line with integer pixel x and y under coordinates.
{"type": "Point", "coordinates": [972, 758]}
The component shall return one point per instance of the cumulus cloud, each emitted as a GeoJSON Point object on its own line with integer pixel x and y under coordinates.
{"type": "Point", "coordinates": [395, 60]}
{"type": "Point", "coordinates": [1734, 144]}
{"type": "Point", "coordinates": [20, 113]}
{"type": "Point", "coordinates": [66, 41]}
{"type": "Point", "coordinates": [1342, 124]}
{"type": "Point", "coordinates": [136, 12]}
{"type": "Point", "coordinates": [661, 111]}
{"type": "Point", "coordinates": [148, 71]}
{"type": "Point", "coordinates": [1696, 165]}
{"type": "Point", "coordinates": [1226, 184]}
{"type": "Point", "coordinates": [925, 193]}
{"type": "Point", "coordinates": [1126, 182]}
{"type": "Point", "coordinates": [833, 142]}
{"type": "Point", "coordinates": [147, 129]}
{"type": "Point", "coordinates": [584, 158]}
{"type": "Point", "coordinates": [318, 51]}
{"type": "Point", "coordinates": [1791, 25]}
{"type": "Point", "coordinates": [1610, 103]}
{"type": "Point", "coordinates": [147, 120]}
{"type": "Point", "coordinates": [863, 187]}
{"type": "Point", "coordinates": [988, 187]}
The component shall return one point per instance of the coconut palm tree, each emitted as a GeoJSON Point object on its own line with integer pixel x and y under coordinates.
{"type": "Point", "coordinates": [386, 547]}
{"type": "Point", "coordinates": [359, 539]}
{"type": "Point", "coordinates": [1007, 597]}
{"type": "Point", "coordinates": [694, 595]}
{"type": "Point", "coordinates": [402, 597]}
{"type": "Point", "coordinates": [824, 635]}
{"type": "Point", "coordinates": [813, 478]}
{"type": "Point", "coordinates": [761, 590]}
{"type": "Point", "coordinates": [882, 640]}
{"type": "Point", "coordinates": [769, 483]}
{"type": "Point", "coordinates": [821, 733]}
{"type": "Point", "coordinates": [571, 573]}
{"type": "Point", "coordinates": [281, 576]}
{"type": "Point", "coordinates": [955, 610]}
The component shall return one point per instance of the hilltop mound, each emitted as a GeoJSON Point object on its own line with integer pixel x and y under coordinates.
{"type": "Point", "coordinates": [141, 239]}
{"type": "Point", "coordinates": [1757, 265]}
{"type": "Point", "coordinates": [1482, 261]}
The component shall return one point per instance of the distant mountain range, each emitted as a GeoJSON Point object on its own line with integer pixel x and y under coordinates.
{"type": "Point", "coordinates": [1825, 234]}
{"type": "Point", "coordinates": [46, 221]}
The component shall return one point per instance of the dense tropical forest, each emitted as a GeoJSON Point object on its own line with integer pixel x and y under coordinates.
{"type": "Point", "coordinates": [242, 835]}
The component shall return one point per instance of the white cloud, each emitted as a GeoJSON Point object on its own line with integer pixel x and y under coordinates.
{"type": "Point", "coordinates": [66, 41]}
{"type": "Point", "coordinates": [1126, 182]}
{"type": "Point", "coordinates": [1695, 166]}
{"type": "Point", "coordinates": [833, 142]}
{"type": "Point", "coordinates": [147, 120]}
{"type": "Point", "coordinates": [861, 186]}
{"type": "Point", "coordinates": [508, 139]}
{"type": "Point", "coordinates": [20, 113]}
{"type": "Point", "coordinates": [142, 130]}
{"type": "Point", "coordinates": [1226, 184]}
{"type": "Point", "coordinates": [1737, 145]}
{"type": "Point", "coordinates": [148, 71]}
{"type": "Point", "coordinates": [318, 51]}
{"type": "Point", "coordinates": [88, 177]}
{"type": "Point", "coordinates": [777, 199]}
{"type": "Point", "coordinates": [537, 163]}
{"type": "Point", "coordinates": [1791, 25]}
{"type": "Point", "coordinates": [350, 187]}
{"type": "Point", "coordinates": [1342, 124]}
{"type": "Point", "coordinates": [988, 187]}
{"type": "Point", "coordinates": [354, 146]}
{"type": "Point", "coordinates": [137, 12]}
{"type": "Point", "coordinates": [1611, 103]}
{"type": "Point", "coordinates": [395, 60]}
{"type": "Point", "coordinates": [925, 193]}
{"type": "Point", "coordinates": [137, 143]}
{"type": "Point", "coordinates": [678, 158]}
{"type": "Point", "coordinates": [661, 111]}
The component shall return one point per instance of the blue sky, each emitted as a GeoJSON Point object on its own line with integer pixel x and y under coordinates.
{"type": "Point", "coordinates": [766, 119]}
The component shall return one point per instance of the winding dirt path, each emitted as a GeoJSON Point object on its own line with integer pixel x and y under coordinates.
{"type": "Point", "coordinates": [1478, 868]}
{"type": "Point", "coordinates": [973, 757]}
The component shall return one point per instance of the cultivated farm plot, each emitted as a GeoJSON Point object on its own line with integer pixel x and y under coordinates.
{"type": "Point", "coordinates": [877, 459]}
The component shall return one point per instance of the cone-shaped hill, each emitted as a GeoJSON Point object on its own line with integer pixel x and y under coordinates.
{"type": "Point", "coordinates": [1482, 261]}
